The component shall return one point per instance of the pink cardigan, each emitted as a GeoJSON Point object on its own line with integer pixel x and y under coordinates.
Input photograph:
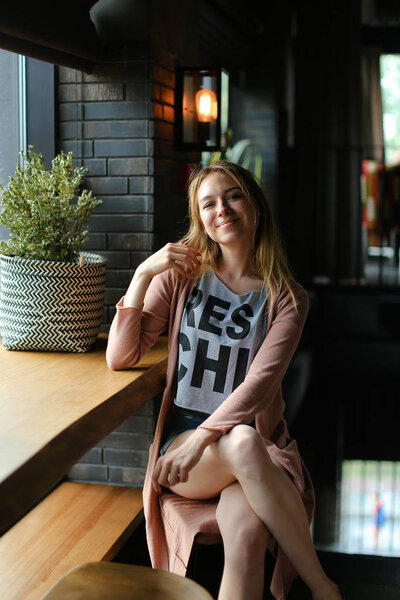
{"type": "Point", "coordinates": [132, 333]}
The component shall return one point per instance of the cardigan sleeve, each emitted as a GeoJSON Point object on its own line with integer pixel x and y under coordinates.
{"type": "Point", "coordinates": [268, 367]}
{"type": "Point", "coordinates": [135, 329]}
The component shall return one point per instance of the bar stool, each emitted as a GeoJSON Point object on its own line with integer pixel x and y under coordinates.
{"type": "Point", "coordinates": [116, 581]}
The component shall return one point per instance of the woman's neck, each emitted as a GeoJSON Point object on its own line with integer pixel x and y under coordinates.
{"type": "Point", "coordinates": [236, 264]}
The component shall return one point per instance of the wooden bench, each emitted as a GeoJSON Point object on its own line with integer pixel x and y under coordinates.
{"type": "Point", "coordinates": [74, 524]}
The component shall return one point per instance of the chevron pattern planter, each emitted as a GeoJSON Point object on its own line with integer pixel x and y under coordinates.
{"type": "Point", "coordinates": [48, 305]}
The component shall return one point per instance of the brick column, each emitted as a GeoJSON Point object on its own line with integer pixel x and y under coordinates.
{"type": "Point", "coordinates": [105, 119]}
{"type": "Point", "coordinates": [121, 458]}
{"type": "Point", "coordinates": [119, 123]}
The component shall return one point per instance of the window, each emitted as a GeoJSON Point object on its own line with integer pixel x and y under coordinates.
{"type": "Point", "coordinates": [10, 70]}
{"type": "Point", "coordinates": [11, 110]}
{"type": "Point", "coordinates": [26, 111]}
{"type": "Point", "coordinates": [380, 186]}
{"type": "Point", "coordinates": [370, 507]}
{"type": "Point", "coordinates": [390, 86]}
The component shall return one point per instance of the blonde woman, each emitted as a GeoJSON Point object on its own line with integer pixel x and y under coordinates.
{"type": "Point", "coordinates": [234, 316]}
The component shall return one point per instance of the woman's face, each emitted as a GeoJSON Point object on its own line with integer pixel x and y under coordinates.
{"type": "Point", "coordinates": [226, 215]}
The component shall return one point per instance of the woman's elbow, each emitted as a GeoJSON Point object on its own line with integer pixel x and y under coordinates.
{"type": "Point", "coordinates": [119, 363]}
{"type": "Point", "coordinates": [114, 363]}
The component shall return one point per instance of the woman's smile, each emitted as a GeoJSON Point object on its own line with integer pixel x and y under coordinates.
{"type": "Point", "coordinates": [227, 223]}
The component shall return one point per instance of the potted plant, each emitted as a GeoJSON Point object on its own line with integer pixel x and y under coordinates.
{"type": "Point", "coordinates": [241, 153]}
{"type": "Point", "coordinates": [51, 293]}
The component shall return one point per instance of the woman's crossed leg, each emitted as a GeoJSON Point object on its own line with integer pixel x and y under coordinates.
{"type": "Point", "coordinates": [245, 539]}
{"type": "Point", "coordinates": [261, 488]}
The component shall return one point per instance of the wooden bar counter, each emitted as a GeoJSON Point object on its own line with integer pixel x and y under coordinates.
{"type": "Point", "coordinates": [54, 407]}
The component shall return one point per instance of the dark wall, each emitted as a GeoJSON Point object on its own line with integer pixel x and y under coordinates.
{"type": "Point", "coordinates": [319, 184]}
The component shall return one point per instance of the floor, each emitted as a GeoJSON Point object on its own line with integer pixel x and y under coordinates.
{"type": "Point", "coordinates": [360, 577]}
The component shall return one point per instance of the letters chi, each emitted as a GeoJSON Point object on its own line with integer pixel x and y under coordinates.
{"type": "Point", "coordinates": [217, 308]}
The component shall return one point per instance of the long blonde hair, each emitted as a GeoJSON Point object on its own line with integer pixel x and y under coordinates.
{"type": "Point", "coordinates": [269, 260]}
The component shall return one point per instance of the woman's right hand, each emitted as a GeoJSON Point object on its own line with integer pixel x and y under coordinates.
{"type": "Point", "coordinates": [174, 466]}
{"type": "Point", "coordinates": [177, 256]}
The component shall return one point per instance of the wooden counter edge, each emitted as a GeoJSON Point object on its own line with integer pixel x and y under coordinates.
{"type": "Point", "coordinates": [38, 476]}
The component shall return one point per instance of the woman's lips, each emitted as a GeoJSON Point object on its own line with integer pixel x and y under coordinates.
{"type": "Point", "coordinates": [228, 222]}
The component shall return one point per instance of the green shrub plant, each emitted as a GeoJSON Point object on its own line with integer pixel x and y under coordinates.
{"type": "Point", "coordinates": [44, 211]}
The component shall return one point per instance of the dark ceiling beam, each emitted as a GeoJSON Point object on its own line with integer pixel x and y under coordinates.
{"type": "Point", "coordinates": [44, 31]}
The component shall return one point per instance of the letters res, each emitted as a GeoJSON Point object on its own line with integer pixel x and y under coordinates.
{"type": "Point", "coordinates": [217, 309]}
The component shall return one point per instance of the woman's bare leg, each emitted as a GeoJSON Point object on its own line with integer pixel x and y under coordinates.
{"type": "Point", "coordinates": [241, 456]}
{"type": "Point", "coordinates": [245, 539]}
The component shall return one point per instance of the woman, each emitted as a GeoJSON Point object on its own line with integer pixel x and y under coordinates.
{"type": "Point", "coordinates": [234, 316]}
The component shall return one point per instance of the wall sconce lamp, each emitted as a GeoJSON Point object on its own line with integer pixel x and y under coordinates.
{"type": "Point", "coordinates": [202, 106]}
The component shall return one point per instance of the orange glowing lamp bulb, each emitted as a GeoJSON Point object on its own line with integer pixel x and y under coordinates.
{"type": "Point", "coordinates": [206, 105]}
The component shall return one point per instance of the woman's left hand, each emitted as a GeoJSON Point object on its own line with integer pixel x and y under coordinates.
{"type": "Point", "coordinates": [174, 466]}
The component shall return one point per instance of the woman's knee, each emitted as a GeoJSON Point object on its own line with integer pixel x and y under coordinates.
{"type": "Point", "coordinates": [243, 448]}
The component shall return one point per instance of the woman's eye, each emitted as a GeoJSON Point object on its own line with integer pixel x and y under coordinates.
{"type": "Point", "coordinates": [207, 204]}
{"type": "Point", "coordinates": [234, 197]}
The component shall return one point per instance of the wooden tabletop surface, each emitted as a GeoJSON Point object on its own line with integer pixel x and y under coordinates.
{"type": "Point", "coordinates": [54, 407]}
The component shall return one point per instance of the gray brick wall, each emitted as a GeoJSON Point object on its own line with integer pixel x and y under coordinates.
{"type": "Point", "coordinates": [105, 119]}
{"type": "Point", "coordinates": [122, 456]}
{"type": "Point", "coordinates": [119, 123]}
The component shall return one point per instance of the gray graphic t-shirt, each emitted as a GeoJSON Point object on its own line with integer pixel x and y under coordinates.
{"type": "Point", "coordinates": [220, 334]}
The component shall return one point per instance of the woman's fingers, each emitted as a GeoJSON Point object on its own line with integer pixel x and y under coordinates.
{"type": "Point", "coordinates": [161, 474]}
{"type": "Point", "coordinates": [174, 474]}
{"type": "Point", "coordinates": [180, 269]}
{"type": "Point", "coordinates": [177, 256]}
{"type": "Point", "coordinates": [173, 255]}
{"type": "Point", "coordinates": [169, 471]}
{"type": "Point", "coordinates": [183, 475]}
{"type": "Point", "coordinates": [185, 255]}
{"type": "Point", "coordinates": [163, 478]}
{"type": "Point", "coordinates": [174, 467]}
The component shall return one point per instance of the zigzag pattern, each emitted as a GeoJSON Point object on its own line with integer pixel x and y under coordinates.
{"type": "Point", "coordinates": [48, 305]}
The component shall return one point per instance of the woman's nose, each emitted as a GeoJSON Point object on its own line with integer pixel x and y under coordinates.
{"type": "Point", "coordinates": [222, 206]}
